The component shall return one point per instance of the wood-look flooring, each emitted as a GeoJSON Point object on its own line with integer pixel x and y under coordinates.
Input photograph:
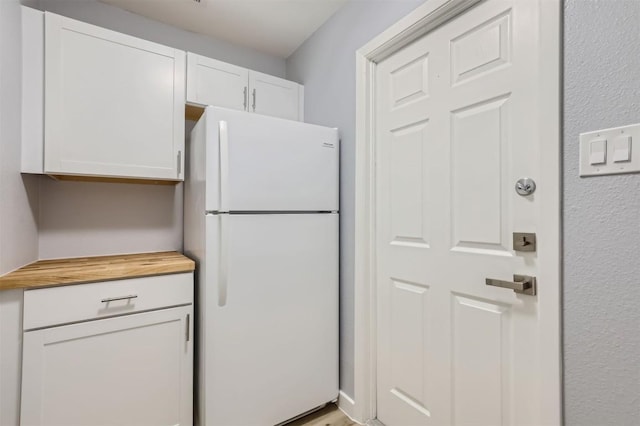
{"type": "Point", "coordinates": [328, 416]}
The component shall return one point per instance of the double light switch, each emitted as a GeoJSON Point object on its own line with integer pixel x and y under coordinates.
{"type": "Point", "coordinates": [610, 151]}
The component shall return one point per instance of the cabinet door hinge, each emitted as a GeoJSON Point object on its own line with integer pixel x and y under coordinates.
{"type": "Point", "coordinates": [188, 326]}
{"type": "Point", "coordinates": [179, 163]}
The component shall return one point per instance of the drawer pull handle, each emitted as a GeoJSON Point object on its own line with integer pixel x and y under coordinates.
{"type": "Point", "coordinates": [113, 299]}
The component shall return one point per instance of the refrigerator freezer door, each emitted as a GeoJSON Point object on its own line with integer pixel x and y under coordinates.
{"type": "Point", "coordinates": [264, 163]}
{"type": "Point", "coordinates": [273, 345]}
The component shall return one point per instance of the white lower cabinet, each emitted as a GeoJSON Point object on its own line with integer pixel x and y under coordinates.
{"type": "Point", "coordinates": [131, 369]}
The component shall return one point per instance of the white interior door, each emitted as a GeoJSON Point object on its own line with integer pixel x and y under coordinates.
{"type": "Point", "coordinates": [457, 116]}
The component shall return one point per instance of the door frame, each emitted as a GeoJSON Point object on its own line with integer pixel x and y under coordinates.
{"type": "Point", "coordinates": [421, 21]}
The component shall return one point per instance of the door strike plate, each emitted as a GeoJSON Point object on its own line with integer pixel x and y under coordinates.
{"type": "Point", "coordinates": [524, 241]}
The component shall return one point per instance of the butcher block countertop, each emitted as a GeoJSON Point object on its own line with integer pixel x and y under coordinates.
{"type": "Point", "coordinates": [47, 273]}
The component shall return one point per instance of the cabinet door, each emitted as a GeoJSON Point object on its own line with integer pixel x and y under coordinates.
{"type": "Point", "coordinates": [114, 104]}
{"type": "Point", "coordinates": [128, 370]}
{"type": "Point", "coordinates": [274, 96]}
{"type": "Point", "coordinates": [211, 82]}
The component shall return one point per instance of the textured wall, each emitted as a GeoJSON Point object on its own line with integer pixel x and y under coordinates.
{"type": "Point", "coordinates": [325, 64]}
{"type": "Point", "coordinates": [601, 219]}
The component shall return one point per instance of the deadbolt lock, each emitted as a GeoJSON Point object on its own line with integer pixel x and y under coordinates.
{"type": "Point", "coordinates": [524, 241]}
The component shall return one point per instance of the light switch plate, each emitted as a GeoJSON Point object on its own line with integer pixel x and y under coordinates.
{"type": "Point", "coordinates": [616, 138]}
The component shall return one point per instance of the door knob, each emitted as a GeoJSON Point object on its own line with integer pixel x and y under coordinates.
{"type": "Point", "coordinates": [523, 284]}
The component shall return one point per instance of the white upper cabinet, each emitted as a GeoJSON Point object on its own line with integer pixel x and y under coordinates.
{"type": "Point", "coordinates": [212, 82]}
{"type": "Point", "coordinates": [275, 96]}
{"type": "Point", "coordinates": [113, 104]}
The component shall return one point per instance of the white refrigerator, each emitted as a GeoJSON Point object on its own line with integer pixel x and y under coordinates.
{"type": "Point", "coordinates": [261, 221]}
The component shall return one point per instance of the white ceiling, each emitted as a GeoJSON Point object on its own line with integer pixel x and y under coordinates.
{"type": "Point", "coordinates": [277, 27]}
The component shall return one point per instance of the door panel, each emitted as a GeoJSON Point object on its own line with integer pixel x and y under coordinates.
{"type": "Point", "coordinates": [482, 49]}
{"type": "Point", "coordinates": [410, 82]}
{"type": "Point", "coordinates": [480, 361]}
{"type": "Point", "coordinates": [275, 337]}
{"type": "Point", "coordinates": [409, 185]}
{"type": "Point", "coordinates": [480, 193]}
{"type": "Point", "coordinates": [456, 116]}
{"type": "Point", "coordinates": [410, 341]}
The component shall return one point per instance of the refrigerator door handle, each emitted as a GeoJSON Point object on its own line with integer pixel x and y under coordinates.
{"type": "Point", "coordinates": [223, 134]}
{"type": "Point", "coordinates": [223, 272]}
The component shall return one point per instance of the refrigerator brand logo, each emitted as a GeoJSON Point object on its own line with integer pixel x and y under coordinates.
{"type": "Point", "coordinates": [328, 145]}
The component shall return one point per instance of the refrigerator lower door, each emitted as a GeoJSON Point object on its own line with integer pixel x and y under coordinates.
{"type": "Point", "coordinates": [270, 348]}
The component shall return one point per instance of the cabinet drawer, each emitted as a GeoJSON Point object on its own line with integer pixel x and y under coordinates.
{"type": "Point", "coordinates": [46, 307]}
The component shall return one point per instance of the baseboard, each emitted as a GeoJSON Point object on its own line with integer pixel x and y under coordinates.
{"type": "Point", "coordinates": [347, 406]}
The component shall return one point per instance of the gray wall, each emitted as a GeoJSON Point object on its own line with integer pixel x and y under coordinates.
{"type": "Point", "coordinates": [325, 64]}
{"type": "Point", "coordinates": [601, 218]}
